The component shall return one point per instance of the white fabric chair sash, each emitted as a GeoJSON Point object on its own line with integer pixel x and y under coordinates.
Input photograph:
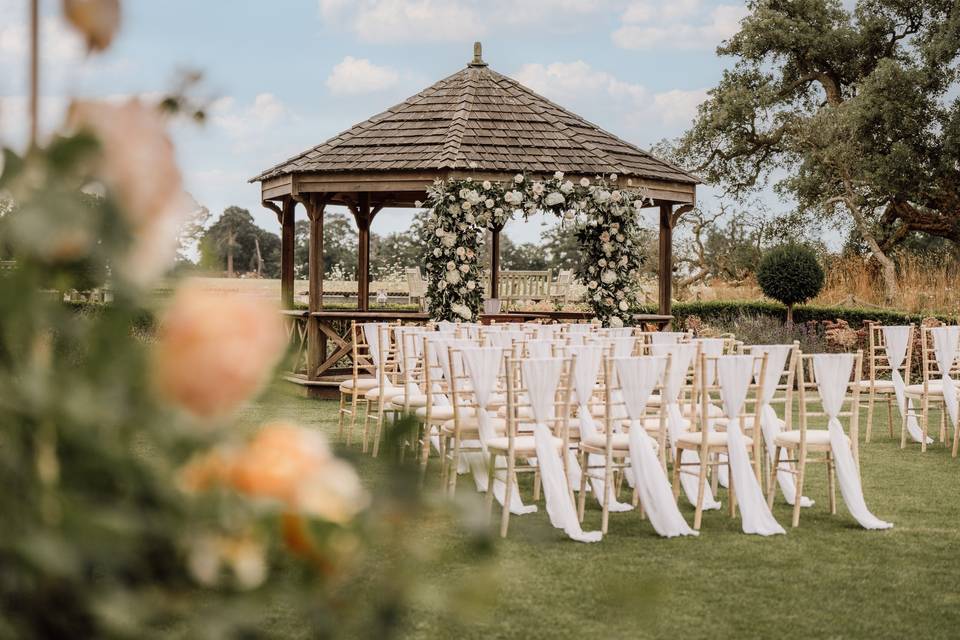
{"type": "Point", "coordinates": [639, 376]}
{"type": "Point", "coordinates": [832, 372]}
{"type": "Point", "coordinates": [896, 339]}
{"type": "Point", "coordinates": [540, 348]}
{"type": "Point", "coordinates": [734, 375]}
{"type": "Point", "coordinates": [482, 365]}
{"type": "Point", "coordinates": [681, 357]}
{"type": "Point", "coordinates": [371, 333]}
{"type": "Point", "coordinates": [585, 373]}
{"type": "Point", "coordinates": [777, 358]}
{"type": "Point", "coordinates": [713, 347]}
{"type": "Point", "coordinates": [666, 337]}
{"type": "Point", "coordinates": [542, 376]}
{"type": "Point", "coordinates": [945, 340]}
{"type": "Point", "coordinates": [579, 328]}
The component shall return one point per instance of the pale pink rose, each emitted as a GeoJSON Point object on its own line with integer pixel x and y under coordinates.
{"type": "Point", "coordinates": [215, 352]}
{"type": "Point", "coordinates": [140, 169]}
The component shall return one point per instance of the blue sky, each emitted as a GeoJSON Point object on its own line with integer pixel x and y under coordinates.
{"type": "Point", "coordinates": [284, 75]}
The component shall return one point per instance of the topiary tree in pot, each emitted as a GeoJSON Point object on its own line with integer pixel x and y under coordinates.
{"type": "Point", "coordinates": [790, 274]}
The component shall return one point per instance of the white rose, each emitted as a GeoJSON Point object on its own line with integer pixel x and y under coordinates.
{"type": "Point", "coordinates": [439, 232]}
{"type": "Point", "coordinates": [442, 285]}
{"type": "Point", "coordinates": [466, 205]}
{"type": "Point", "coordinates": [486, 184]}
{"type": "Point", "coordinates": [608, 276]}
{"type": "Point", "coordinates": [453, 277]}
{"type": "Point", "coordinates": [454, 209]}
{"type": "Point", "coordinates": [584, 182]}
{"type": "Point", "coordinates": [417, 204]}
{"type": "Point", "coordinates": [601, 196]}
{"type": "Point", "coordinates": [558, 175]}
{"type": "Point", "coordinates": [607, 248]}
{"type": "Point", "coordinates": [613, 177]}
{"type": "Point", "coordinates": [624, 305]}
{"type": "Point", "coordinates": [538, 188]}
{"type": "Point", "coordinates": [436, 253]}
{"type": "Point", "coordinates": [489, 203]}
{"type": "Point", "coordinates": [461, 252]}
{"type": "Point", "coordinates": [518, 178]}
{"type": "Point", "coordinates": [566, 187]}
{"type": "Point", "coordinates": [615, 196]}
{"type": "Point", "coordinates": [615, 321]}
{"type": "Point", "coordinates": [554, 198]}
{"type": "Point", "coordinates": [448, 241]}
{"type": "Point", "coordinates": [463, 194]}
{"type": "Point", "coordinates": [471, 285]}
{"type": "Point", "coordinates": [593, 284]}
{"type": "Point", "coordinates": [498, 211]}
{"type": "Point", "coordinates": [602, 262]}
{"type": "Point", "coordinates": [470, 218]}
{"type": "Point", "coordinates": [451, 265]}
{"type": "Point", "coordinates": [464, 268]}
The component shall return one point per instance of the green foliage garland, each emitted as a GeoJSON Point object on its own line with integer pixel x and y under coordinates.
{"type": "Point", "coordinates": [607, 229]}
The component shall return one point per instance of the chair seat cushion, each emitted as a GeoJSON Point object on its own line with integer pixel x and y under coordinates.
{"type": "Point", "coordinates": [441, 413]}
{"type": "Point", "coordinates": [934, 387]}
{"type": "Point", "coordinates": [716, 439]}
{"type": "Point", "coordinates": [620, 441]}
{"type": "Point", "coordinates": [388, 393]}
{"type": "Point", "coordinates": [652, 423]}
{"type": "Point", "coordinates": [415, 400]}
{"type": "Point", "coordinates": [523, 445]}
{"type": "Point", "coordinates": [878, 385]}
{"type": "Point", "coordinates": [362, 384]}
{"type": "Point", "coordinates": [469, 426]}
{"type": "Point", "coordinates": [816, 437]}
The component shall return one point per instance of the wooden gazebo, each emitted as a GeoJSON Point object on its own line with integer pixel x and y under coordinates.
{"type": "Point", "coordinates": [475, 123]}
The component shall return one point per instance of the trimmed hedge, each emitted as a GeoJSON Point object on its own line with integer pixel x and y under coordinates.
{"type": "Point", "coordinates": [726, 311]}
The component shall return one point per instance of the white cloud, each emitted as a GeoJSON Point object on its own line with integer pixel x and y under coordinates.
{"type": "Point", "coordinates": [392, 21]}
{"type": "Point", "coordinates": [352, 76]}
{"type": "Point", "coordinates": [573, 82]}
{"type": "Point", "coordinates": [675, 23]}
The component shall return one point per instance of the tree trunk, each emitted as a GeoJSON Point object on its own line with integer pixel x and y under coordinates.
{"type": "Point", "coordinates": [889, 269]}
{"type": "Point", "coordinates": [259, 256]}
{"type": "Point", "coordinates": [790, 316]}
{"type": "Point", "coordinates": [230, 241]}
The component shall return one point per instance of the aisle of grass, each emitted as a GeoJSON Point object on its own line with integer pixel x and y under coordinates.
{"type": "Point", "coordinates": [829, 578]}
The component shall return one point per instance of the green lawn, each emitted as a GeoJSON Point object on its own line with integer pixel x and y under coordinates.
{"type": "Point", "coordinates": [829, 578]}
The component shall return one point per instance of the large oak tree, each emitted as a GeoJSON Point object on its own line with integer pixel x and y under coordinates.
{"type": "Point", "coordinates": [856, 108]}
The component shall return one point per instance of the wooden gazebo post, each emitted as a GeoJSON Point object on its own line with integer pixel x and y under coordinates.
{"type": "Point", "coordinates": [665, 268]}
{"type": "Point", "coordinates": [495, 262]}
{"type": "Point", "coordinates": [286, 218]}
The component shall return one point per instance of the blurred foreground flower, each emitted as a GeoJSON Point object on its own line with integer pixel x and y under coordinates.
{"type": "Point", "coordinates": [139, 167]}
{"type": "Point", "coordinates": [288, 465]}
{"type": "Point", "coordinates": [244, 557]}
{"type": "Point", "coordinates": [213, 352]}
{"type": "Point", "coordinates": [97, 20]}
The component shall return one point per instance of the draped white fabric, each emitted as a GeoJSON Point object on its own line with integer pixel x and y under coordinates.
{"type": "Point", "coordinates": [540, 348]}
{"type": "Point", "coordinates": [542, 377]}
{"type": "Point", "coordinates": [896, 339]}
{"type": "Point", "coordinates": [832, 372]}
{"type": "Point", "coordinates": [639, 376]}
{"type": "Point", "coordinates": [681, 356]}
{"type": "Point", "coordinates": [482, 365]}
{"type": "Point", "coordinates": [713, 347]}
{"type": "Point", "coordinates": [371, 333]}
{"type": "Point", "coordinates": [585, 373]}
{"type": "Point", "coordinates": [734, 375]}
{"type": "Point", "coordinates": [777, 358]}
{"type": "Point", "coordinates": [666, 337]}
{"type": "Point", "coordinates": [945, 340]}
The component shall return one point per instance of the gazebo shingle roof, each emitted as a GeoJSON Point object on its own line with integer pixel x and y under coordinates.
{"type": "Point", "coordinates": [478, 119]}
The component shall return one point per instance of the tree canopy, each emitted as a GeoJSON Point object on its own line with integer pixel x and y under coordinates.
{"type": "Point", "coordinates": [235, 243]}
{"type": "Point", "coordinates": [851, 111]}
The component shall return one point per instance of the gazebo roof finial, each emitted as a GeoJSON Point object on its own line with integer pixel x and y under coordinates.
{"type": "Point", "coordinates": [477, 56]}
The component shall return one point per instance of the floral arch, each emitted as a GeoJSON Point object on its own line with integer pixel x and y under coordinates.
{"type": "Point", "coordinates": [606, 224]}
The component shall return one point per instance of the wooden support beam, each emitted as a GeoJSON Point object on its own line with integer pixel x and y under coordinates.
{"type": "Point", "coordinates": [285, 216]}
{"type": "Point", "coordinates": [666, 258]}
{"type": "Point", "coordinates": [363, 215]}
{"type": "Point", "coordinates": [316, 343]}
{"type": "Point", "coordinates": [495, 262]}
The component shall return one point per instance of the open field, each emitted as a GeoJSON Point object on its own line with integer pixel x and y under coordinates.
{"type": "Point", "coordinates": [829, 578]}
